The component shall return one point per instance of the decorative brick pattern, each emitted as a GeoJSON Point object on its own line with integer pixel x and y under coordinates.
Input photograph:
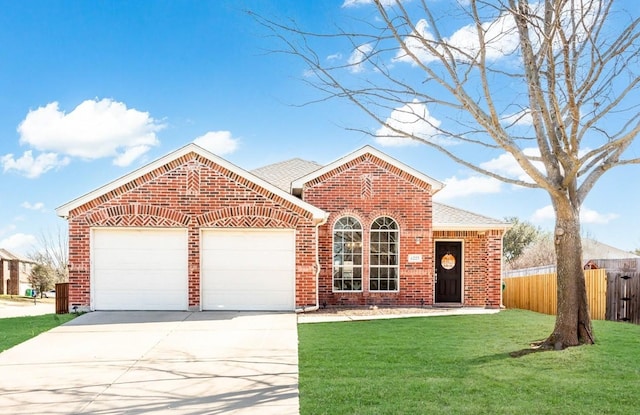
{"type": "Point", "coordinates": [367, 186]}
{"type": "Point", "coordinates": [407, 200]}
{"type": "Point", "coordinates": [193, 179]}
{"type": "Point", "coordinates": [392, 193]}
{"type": "Point", "coordinates": [190, 192]}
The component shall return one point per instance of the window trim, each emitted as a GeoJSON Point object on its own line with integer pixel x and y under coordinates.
{"type": "Point", "coordinates": [397, 254]}
{"type": "Point", "coordinates": [334, 267]}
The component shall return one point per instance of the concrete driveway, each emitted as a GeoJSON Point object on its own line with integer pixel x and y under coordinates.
{"type": "Point", "coordinates": [156, 362]}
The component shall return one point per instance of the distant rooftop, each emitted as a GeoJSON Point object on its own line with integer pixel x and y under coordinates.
{"type": "Point", "coordinates": [8, 256]}
{"type": "Point", "coordinates": [592, 249]}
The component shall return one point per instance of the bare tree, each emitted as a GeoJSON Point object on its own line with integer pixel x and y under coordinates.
{"type": "Point", "coordinates": [540, 252]}
{"type": "Point", "coordinates": [552, 84]}
{"type": "Point", "coordinates": [53, 254]}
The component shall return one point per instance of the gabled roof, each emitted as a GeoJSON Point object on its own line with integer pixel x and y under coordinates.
{"type": "Point", "coordinates": [8, 256]}
{"type": "Point", "coordinates": [63, 211]}
{"type": "Point", "coordinates": [283, 173]}
{"type": "Point", "coordinates": [296, 185]}
{"type": "Point", "coordinates": [592, 249]}
{"type": "Point", "coordinates": [446, 217]}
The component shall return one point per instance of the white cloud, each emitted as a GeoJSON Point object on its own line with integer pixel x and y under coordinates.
{"type": "Point", "coordinates": [38, 206]}
{"type": "Point", "coordinates": [543, 214]}
{"type": "Point", "coordinates": [356, 3]}
{"type": "Point", "coordinates": [19, 243]}
{"type": "Point", "coordinates": [586, 215]}
{"type": "Point", "coordinates": [94, 129]}
{"type": "Point", "coordinates": [414, 44]}
{"type": "Point", "coordinates": [507, 166]}
{"type": "Point", "coordinates": [218, 142]}
{"type": "Point", "coordinates": [335, 56]}
{"type": "Point", "coordinates": [591, 216]}
{"type": "Point", "coordinates": [33, 167]}
{"type": "Point", "coordinates": [455, 188]}
{"type": "Point", "coordinates": [412, 118]}
{"type": "Point", "coordinates": [501, 37]}
{"type": "Point", "coordinates": [522, 118]}
{"type": "Point", "coordinates": [129, 155]}
{"type": "Point", "coordinates": [358, 57]}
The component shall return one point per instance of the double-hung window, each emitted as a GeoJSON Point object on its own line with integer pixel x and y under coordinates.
{"type": "Point", "coordinates": [383, 255]}
{"type": "Point", "coordinates": [347, 255]}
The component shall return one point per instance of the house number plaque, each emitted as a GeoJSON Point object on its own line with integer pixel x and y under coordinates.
{"type": "Point", "coordinates": [414, 258]}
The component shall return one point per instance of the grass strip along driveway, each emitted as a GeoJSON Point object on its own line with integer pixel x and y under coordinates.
{"type": "Point", "coordinates": [462, 365]}
{"type": "Point", "coordinates": [16, 330]}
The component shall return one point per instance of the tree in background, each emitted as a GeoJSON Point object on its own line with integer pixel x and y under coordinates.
{"type": "Point", "coordinates": [518, 237]}
{"type": "Point", "coordinates": [551, 85]}
{"type": "Point", "coordinates": [41, 278]}
{"type": "Point", "coordinates": [538, 253]}
{"type": "Point", "coordinates": [53, 254]}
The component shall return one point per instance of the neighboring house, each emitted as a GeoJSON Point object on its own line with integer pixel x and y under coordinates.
{"type": "Point", "coordinates": [594, 255]}
{"type": "Point", "coordinates": [191, 231]}
{"type": "Point", "coordinates": [14, 273]}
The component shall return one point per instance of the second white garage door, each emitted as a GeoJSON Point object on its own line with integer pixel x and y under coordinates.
{"type": "Point", "coordinates": [248, 269]}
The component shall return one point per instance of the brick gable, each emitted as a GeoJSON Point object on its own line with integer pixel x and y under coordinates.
{"type": "Point", "coordinates": [367, 188]}
{"type": "Point", "coordinates": [190, 192]}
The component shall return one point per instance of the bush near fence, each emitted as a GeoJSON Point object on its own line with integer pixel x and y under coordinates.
{"type": "Point", "coordinates": [539, 293]}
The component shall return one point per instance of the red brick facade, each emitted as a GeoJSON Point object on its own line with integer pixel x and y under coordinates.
{"type": "Point", "coordinates": [193, 192]}
{"type": "Point", "coordinates": [482, 258]}
{"type": "Point", "coordinates": [367, 188]}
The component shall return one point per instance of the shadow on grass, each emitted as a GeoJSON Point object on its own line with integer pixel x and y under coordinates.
{"type": "Point", "coordinates": [535, 347]}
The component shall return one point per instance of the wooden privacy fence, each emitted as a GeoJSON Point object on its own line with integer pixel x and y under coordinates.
{"type": "Point", "coordinates": [62, 298]}
{"type": "Point", "coordinates": [623, 296]}
{"type": "Point", "coordinates": [539, 293]}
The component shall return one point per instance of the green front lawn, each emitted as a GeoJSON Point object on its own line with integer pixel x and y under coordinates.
{"type": "Point", "coordinates": [16, 330]}
{"type": "Point", "coordinates": [462, 365]}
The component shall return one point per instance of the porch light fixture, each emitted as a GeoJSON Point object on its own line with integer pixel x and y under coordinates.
{"type": "Point", "coordinates": [418, 240]}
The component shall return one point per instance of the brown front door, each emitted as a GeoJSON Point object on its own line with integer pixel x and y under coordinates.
{"type": "Point", "coordinates": [448, 272]}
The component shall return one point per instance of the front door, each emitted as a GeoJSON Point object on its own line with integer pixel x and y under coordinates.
{"type": "Point", "coordinates": [448, 272]}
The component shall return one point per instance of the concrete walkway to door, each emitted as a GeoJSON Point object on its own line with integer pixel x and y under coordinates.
{"type": "Point", "coordinates": [156, 362]}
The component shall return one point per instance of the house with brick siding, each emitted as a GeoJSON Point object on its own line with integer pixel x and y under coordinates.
{"type": "Point", "coordinates": [14, 273]}
{"type": "Point", "coordinates": [192, 231]}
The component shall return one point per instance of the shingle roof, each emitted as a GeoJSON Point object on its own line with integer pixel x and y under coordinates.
{"type": "Point", "coordinates": [445, 217]}
{"type": "Point", "coordinates": [298, 183]}
{"type": "Point", "coordinates": [8, 256]}
{"type": "Point", "coordinates": [283, 173]}
{"type": "Point", "coordinates": [449, 217]}
{"type": "Point", "coordinates": [592, 249]}
{"type": "Point", "coordinates": [64, 210]}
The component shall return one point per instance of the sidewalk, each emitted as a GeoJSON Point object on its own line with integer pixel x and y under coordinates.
{"type": "Point", "coordinates": [26, 308]}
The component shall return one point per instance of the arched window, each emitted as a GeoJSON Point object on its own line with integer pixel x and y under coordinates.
{"type": "Point", "coordinates": [383, 255]}
{"type": "Point", "coordinates": [347, 255]}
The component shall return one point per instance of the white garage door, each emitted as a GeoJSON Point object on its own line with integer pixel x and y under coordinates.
{"type": "Point", "coordinates": [136, 269]}
{"type": "Point", "coordinates": [248, 269]}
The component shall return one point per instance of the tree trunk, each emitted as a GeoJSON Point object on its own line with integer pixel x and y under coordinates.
{"type": "Point", "coordinates": [573, 322]}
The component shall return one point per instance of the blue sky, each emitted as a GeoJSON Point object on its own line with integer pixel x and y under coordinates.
{"type": "Point", "coordinates": [89, 91]}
